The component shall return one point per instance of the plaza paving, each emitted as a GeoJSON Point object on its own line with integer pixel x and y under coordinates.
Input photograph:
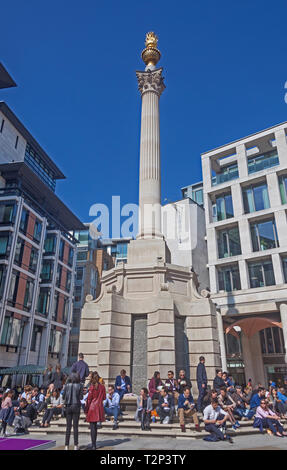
{"type": "Point", "coordinates": [255, 442]}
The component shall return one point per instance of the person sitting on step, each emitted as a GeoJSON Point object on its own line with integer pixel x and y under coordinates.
{"type": "Point", "coordinates": [144, 409]}
{"type": "Point", "coordinates": [112, 405]}
{"type": "Point", "coordinates": [266, 418]}
{"type": "Point", "coordinates": [187, 408]}
{"type": "Point", "coordinates": [214, 418]}
{"type": "Point", "coordinates": [165, 406]}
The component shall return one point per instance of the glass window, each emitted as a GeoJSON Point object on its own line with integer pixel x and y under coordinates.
{"type": "Point", "coordinates": [7, 213]}
{"type": "Point", "coordinates": [37, 231]}
{"type": "Point", "coordinates": [264, 235]}
{"type": "Point", "coordinates": [50, 244]}
{"type": "Point", "coordinates": [255, 198]}
{"type": "Point", "coordinates": [55, 306]}
{"type": "Point", "coordinates": [223, 208]}
{"type": "Point", "coordinates": [229, 278]}
{"type": "Point", "coordinates": [66, 309]}
{"type": "Point", "coordinates": [61, 250]}
{"type": "Point", "coordinates": [261, 274]}
{"type": "Point", "coordinates": [44, 301]}
{"type": "Point", "coordinates": [5, 244]}
{"type": "Point", "coordinates": [68, 281]}
{"type": "Point", "coordinates": [47, 270]}
{"type": "Point", "coordinates": [59, 275]}
{"type": "Point", "coordinates": [12, 296]}
{"type": "Point", "coordinates": [71, 256]}
{"type": "Point", "coordinates": [24, 220]}
{"type": "Point", "coordinates": [82, 236]}
{"type": "Point", "coordinates": [36, 337]}
{"type": "Point", "coordinates": [78, 293]}
{"type": "Point", "coordinates": [283, 188]}
{"type": "Point", "coordinates": [3, 271]}
{"type": "Point", "coordinates": [28, 295]}
{"type": "Point", "coordinates": [79, 273]}
{"type": "Point", "coordinates": [12, 331]}
{"type": "Point", "coordinates": [82, 255]}
{"type": "Point", "coordinates": [33, 260]}
{"type": "Point", "coordinates": [228, 242]}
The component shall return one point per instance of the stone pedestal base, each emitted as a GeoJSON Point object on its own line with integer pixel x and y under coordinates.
{"type": "Point", "coordinates": [148, 252]}
{"type": "Point", "coordinates": [149, 318]}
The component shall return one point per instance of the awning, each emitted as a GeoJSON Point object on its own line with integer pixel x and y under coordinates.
{"type": "Point", "coordinates": [30, 369]}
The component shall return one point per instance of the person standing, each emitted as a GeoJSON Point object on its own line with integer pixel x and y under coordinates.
{"type": "Point", "coordinates": [58, 377]}
{"type": "Point", "coordinates": [94, 407]}
{"type": "Point", "coordinates": [81, 367]}
{"type": "Point", "coordinates": [47, 377]}
{"type": "Point", "coordinates": [201, 379]}
{"type": "Point", "coordinates": [72, 396]}
{"type": "Point", "coordinates": [144, 409]}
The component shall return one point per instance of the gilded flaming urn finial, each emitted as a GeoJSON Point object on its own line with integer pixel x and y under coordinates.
{"type": "Point", "coordinates": [151, 54]}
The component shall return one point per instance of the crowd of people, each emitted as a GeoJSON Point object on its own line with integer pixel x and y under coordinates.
{"type": "Point", "coordinates": [163, 399]}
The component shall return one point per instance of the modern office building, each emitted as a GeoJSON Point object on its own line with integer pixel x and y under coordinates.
{"type": "Point", "coordinates": [94, 256]}
{"type": "Point", "coordinates": [245, 199]}
{"type": "Point", "coordinates": [194, 192]}
{"type": "Point", "coordinates": [37, 252]}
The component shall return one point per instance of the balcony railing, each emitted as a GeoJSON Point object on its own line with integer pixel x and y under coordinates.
{"type": "Point", "coordinates": [225, 176]}
{"type": "Point", "coordinates": [262, 162]}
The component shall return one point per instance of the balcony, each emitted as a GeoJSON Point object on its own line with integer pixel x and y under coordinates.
{"type": "Point", "coordinates": [262, 162]}
{"type": "Point", "coordinates": [228, 173]}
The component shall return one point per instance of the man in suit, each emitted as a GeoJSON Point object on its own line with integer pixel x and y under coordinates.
{"type": "Point", "coordinates": [201, 379]}
{"type": "Point", "coordinates": [123, 384]}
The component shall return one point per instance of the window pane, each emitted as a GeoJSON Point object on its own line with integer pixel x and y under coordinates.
{"type": "Point", "coordinates": [277, 343]}
{"type": "Point", "coordinates": [262, 341]}
{"type": "Point", "coordinates": [264, 235]}
{"type": "Point", "coordinates": [270, 346]}
{"type": "Point", "coordinates": [234, 242]}
{"type": "Point", "coordinates": [256, 275]}
{"type": "Point", "coordinates": [261, 198]}
{"type": "Point", "coordinates": [248, 200]}
{"type": "Point", "coordinates": [269, 274]}
{"type": "Point", "coordinates": [228, 206]}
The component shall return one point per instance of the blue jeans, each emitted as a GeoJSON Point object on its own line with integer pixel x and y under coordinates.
{"type": "Point", "coordinates": [240, 411]}
{"type": "Point", "coordinates": [214, 430]}
{"type": "Point", "coordinates": [112, 412]}
{"type": "Point", "coordinates": [251, 413]}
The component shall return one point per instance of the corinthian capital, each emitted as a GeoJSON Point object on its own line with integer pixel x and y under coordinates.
{"type": "Point", "coordinates": [151, 81]}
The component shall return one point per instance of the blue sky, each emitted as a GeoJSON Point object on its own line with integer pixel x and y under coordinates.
{"type": "Point", "coordinates": [74, 62]}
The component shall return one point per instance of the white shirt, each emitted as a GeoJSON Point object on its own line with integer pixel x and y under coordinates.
{"type": "Point", "coordinates": [210, 413]}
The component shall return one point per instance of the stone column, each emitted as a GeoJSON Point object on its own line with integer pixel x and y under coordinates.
{"type": "Point", "coordinates": [221, 341]}
{"type": "Point", "coordinates": [151, 86]}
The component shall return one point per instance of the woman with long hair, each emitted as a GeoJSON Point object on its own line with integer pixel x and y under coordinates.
{"type": "Point", "coordinates": [6, 410]}
{"type": "Point", "coordinates": [94, 407]}
{"type": "Point", "coordinates": [154, 385]}
{"type": "Point", "coordinates": [72, 396]}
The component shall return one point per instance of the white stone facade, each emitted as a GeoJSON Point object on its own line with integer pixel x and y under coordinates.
{"type": "Point", "coordinates": [251, 171]}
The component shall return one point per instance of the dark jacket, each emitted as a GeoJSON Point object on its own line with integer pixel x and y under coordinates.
{"type": "Point", "coordinates": [182, 399]}
{"type": "Point", "coordinates": [28, 411]}
{"type": "Point", "coordinates": [118, 383]}
{"type": "Point", "coordinates": [47, 378]}
{"type": "Point", "coordinates": [201, 376]}
{"type": "Point", "coordinates": [82, 368]}
{"type": "Point", "coordinates": [218, 382]}
{"type": "Point", "coordinates": [57, 380]}
{"type": "Point", "coordinates": [72, 394]}
{"type": "Point", "coordinates": [182, 383]}
{"type": "Point", "coordinates": [169, 398]}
